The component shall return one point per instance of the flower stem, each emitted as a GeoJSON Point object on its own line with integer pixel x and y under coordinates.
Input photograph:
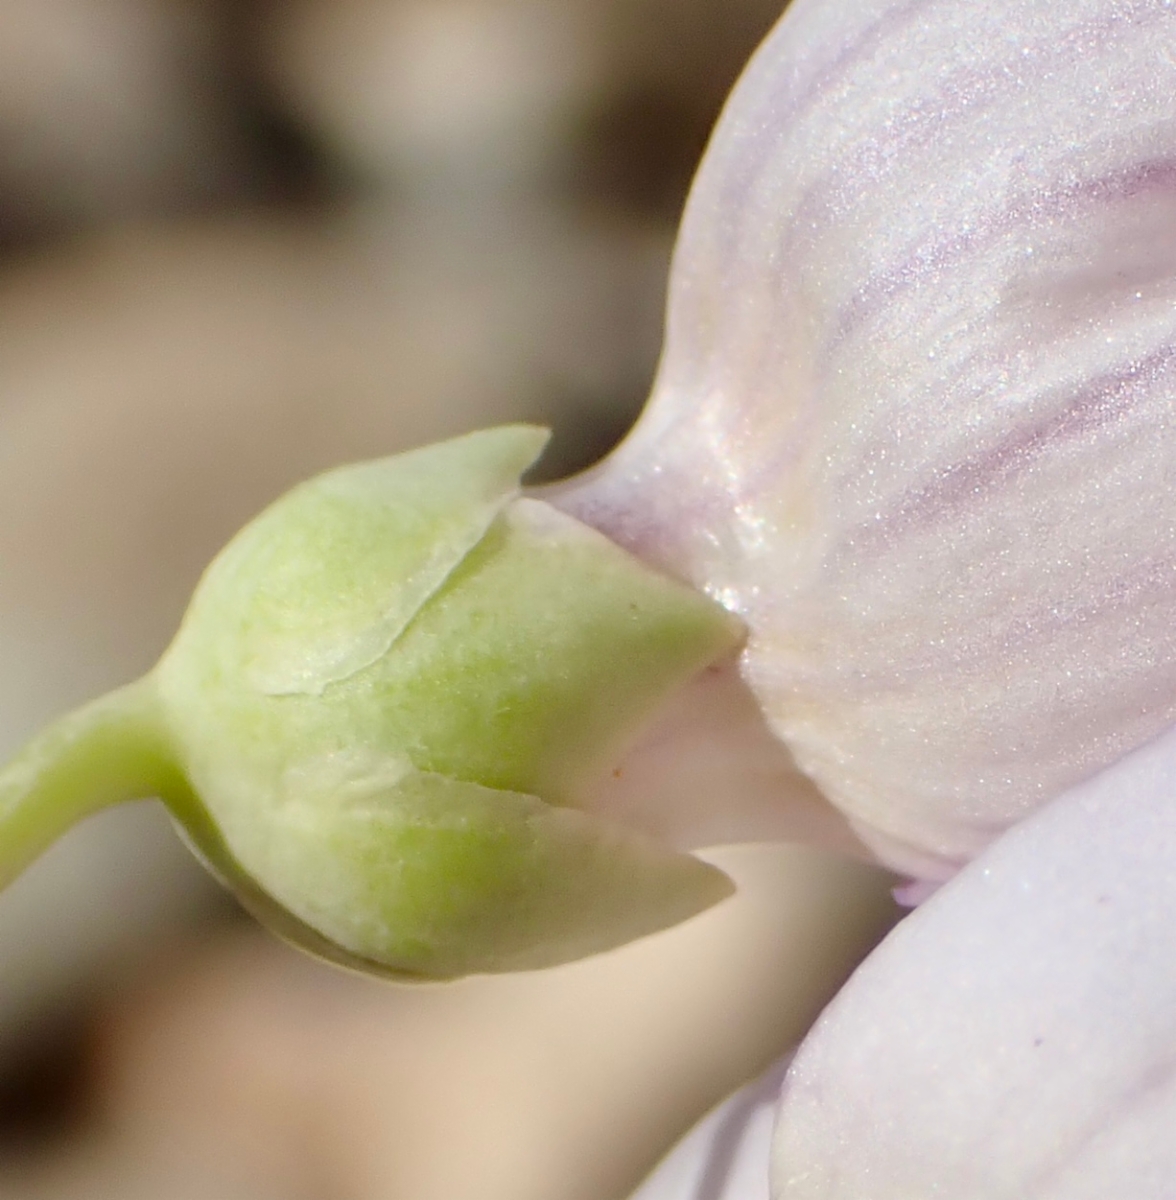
{"type": "Point", "coordinates": [113, 749]}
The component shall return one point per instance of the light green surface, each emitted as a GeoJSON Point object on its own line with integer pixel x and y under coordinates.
{"type": "Point", "coordinates": [383, 689]}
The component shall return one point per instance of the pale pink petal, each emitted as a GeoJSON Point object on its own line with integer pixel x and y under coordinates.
{"type": "Point", "coordinates": [1015, 1038]}
{"type": "Point", "coordinates": [916, 418]}
{"type": "Point", "coordinates": [725, 1156]}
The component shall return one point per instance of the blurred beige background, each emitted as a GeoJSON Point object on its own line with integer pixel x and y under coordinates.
{"type": "Point", "coordinates": [240, 242]}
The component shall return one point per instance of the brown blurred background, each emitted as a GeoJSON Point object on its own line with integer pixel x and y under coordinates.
{"type": "Point", "coordinates": [239, 242]}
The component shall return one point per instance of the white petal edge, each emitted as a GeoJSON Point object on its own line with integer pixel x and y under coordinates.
{"type": "Point", "coordinates": [725, 1156]}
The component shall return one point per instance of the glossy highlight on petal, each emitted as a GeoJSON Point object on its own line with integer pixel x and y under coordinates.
{"type": "Point", "coordinates": [914, 420]}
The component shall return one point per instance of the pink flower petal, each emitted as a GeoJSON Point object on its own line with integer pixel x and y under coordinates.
{"type": "Point", "coordinates": [915, 418]}
{"type": "Point", "coordinates": [1015, 1038]}
{"type": "Point", "coordinates": [725, 1156]}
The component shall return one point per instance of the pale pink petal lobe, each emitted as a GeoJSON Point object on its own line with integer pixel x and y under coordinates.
{"type": "Point", "coordinates": [1014, 1038]}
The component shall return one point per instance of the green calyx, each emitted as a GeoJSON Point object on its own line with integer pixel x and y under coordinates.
{"type": "Point", "coordinates": [378, 709]}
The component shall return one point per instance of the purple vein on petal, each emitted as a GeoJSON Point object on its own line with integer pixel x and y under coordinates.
{"type": "Point", "coordinates": [1020, 214]}
{"type": "Point", "coordinates": [1104, 400]}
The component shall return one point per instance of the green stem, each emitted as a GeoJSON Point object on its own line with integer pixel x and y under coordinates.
{"type": "Point", "coordinates": [113, 749]}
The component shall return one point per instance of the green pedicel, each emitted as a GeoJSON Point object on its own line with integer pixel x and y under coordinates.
{"type": "Point", "coordinates": [381, 701]}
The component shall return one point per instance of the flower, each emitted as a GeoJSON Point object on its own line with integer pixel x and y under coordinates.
{"type": "Point", "coordinates": [918, 400]}
{"type": "Point", "coordinates": [913, 420]}
{"type": "Point", "coordinates": [914, 425]}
